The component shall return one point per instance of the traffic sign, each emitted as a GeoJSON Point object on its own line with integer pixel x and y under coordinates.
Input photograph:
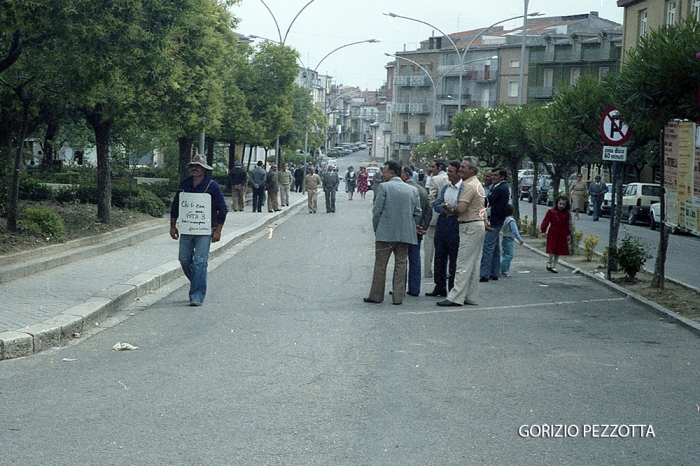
{"type": "Point", "coordinates": [612, 128]}
{"type": "Point", "coordinates": [614, 154]}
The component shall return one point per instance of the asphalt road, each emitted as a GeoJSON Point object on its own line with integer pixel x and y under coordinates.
{"type": "Point", "coordinates": [681, 256]}
{"type": "Point", "coordinates": [285, 365]}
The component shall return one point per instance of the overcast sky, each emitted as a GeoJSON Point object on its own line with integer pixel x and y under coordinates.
{"type": "Point", "coordinates": [327, 24]}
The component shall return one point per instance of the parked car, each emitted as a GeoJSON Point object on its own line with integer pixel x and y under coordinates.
{"type": "Point", "coordinates": [637, 198]}
{"type": "Point", "coordinates": [525, 172]}
{"type": "Point", "coordinates": [655, 215]}
{"type": "Point", "coordinates": [525, 187]}
{"type": "Point", "coordinates": [372, 169]}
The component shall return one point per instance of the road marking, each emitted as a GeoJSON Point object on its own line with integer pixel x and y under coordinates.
{"type": "Point", "coordinates": [467, 308]}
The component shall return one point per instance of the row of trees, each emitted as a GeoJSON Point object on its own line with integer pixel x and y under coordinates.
{"type": "Point", "coordinates": [112, 74]}
{"type": "Point", "coordinates": [659, 81]}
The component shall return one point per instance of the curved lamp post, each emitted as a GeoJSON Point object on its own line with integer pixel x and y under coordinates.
{"type": "Point", "coordinates": [279, 33]}
{"type": "Point", "coordinates": [460, 56]}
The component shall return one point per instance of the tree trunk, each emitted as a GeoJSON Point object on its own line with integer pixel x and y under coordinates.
{"type": "Point", "coordinates": [48, 160]}
{"type": "Point", "coordinates": [659, 278]}
{"type": "Point", "coordinates": [231, 154]}
{"type": "Point", "coordinates": [209, 147]}
{"type": "Point", "coordinates": [14, 193]}
{"type": "Point", "coordinates": [104, 180]}
{"type": "Point", "coordinates": [185, 146]}
{"type": "Point", "coordinates": [533, 190]}
{"type": "Point", "coordinates": [250, 156]}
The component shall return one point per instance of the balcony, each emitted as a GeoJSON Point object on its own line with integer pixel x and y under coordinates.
{"type": "Point", "coordinates": [540, 92]}
{"type": "Point", "coordinates": [452, 99]}
{"type": "Point", "coordinates": [412, 81]}
{"type": "Point", "coordinates": [421, 109]}
{"type": "Point", "coordinates": [402, 138]}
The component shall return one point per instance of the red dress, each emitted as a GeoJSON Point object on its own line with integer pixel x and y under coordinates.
{"type": "Point", "coordinates": [557, 225]}
{"type": "Point", "coordinates": [362, 184]}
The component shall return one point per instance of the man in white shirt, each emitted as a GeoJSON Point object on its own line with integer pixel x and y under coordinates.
{"type": "Point", "coordinates": [437, 181]}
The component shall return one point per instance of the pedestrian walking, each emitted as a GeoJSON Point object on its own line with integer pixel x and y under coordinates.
{"type": "Point", "coordinates": [556, 228]}
{"type": "Point", "coordinates": [577, 193]}
{"type": "Point", "coordinates": [395, 217]}
{"type": "Point", "coordinates": [299, 179]}
{"type": "Point", "coordinates": [509, 234]}
{"type": "Point", "coordinates": [350, 182]}
{"type": "Point", "coordinates": [363, 182]}
{"type": "Point", "coordinates": [472, 230]}
{"type": "Point", "coordinates": [330, 187]}
{"type": "Point", "coordinates": [312, 182]}
{"type": "Point", "coordinates": [195, 242]}
{"type": "Point", "coordinates": [597, 191]}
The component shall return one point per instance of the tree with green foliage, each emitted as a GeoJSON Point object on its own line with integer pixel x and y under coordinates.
{"type": "Point", "coordinates": [659, 82]}
{"type": "Point", "coordinates": [475, 132]}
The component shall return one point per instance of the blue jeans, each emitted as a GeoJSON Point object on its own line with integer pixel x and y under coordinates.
{"type": "Point", "coordinates": [597, 204]}
{"type": "Point", "coordinates": [194, 258]}
{"type": "Point", "coordinates": [491, 254]}
{"type": "Point", "coordinates": [507, 246]}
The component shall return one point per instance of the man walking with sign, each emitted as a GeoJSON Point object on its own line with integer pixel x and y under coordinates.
{"type": "Point", "coordinates": [198, 202]}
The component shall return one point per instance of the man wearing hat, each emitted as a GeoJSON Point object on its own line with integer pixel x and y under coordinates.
{"type": "Point", "coordinates": [597, 191]}
{"type": "Point", "coordinates": [194, 248]}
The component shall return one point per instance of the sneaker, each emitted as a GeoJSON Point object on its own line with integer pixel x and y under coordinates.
{"type": "Point", "coordinates": [553, 270]}
{"type": "Point", "coordinates": [505, 274]}
{"type": "Point", "coordinates": [195, 303]}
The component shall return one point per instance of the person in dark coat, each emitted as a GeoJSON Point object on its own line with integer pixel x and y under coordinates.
{"type": "Point", "coordinates": [556, 227]}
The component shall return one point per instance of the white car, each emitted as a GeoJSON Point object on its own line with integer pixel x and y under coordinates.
{"type": "Point", "coordinates": [637, 199]}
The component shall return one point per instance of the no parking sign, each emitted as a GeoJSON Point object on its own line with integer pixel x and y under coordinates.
{"type": "Point", "coordinates": [612, 128]}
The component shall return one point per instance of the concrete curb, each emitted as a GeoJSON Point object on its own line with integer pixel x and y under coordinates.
{"type": "Point", "coordinates": [691, 324]}
{"type": "Point", "coordinates": [29, 262]}
{"type": "Point", "coordinates": [54, 331]}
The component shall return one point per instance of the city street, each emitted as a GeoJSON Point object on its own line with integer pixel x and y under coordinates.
{"type": "Point", "coordinates": [284, 364]}
{"type": "Point", "coordinates": [682, 253]}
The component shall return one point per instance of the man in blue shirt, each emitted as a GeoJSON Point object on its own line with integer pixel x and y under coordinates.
{"type": "Point", "coordinates": [194, 249]}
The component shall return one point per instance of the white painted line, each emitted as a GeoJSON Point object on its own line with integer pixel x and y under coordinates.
{"type": "Point", "coordinates": [468, 308]}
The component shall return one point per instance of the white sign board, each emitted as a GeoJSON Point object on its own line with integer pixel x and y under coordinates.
{"type": "Point", "coordinates": [194, 215]}
{"type": "Point", "coordinates": [614, 154]}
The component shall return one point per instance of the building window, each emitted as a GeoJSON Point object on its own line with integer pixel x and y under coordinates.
{"type": "Point", "coordinates": [670, 12]}
{"type": "Point", "coordinates": [424, 96]}
{"type": "Point", "coordinates": [516, 63]}
{"type": "Point", "coordinates": [643, 23]}
{"type": "Point", "coordinates": [548, 77]}
{"type": "Point", "coordinates": [513, 88]}
{"type": "Point", "coordinates": [695, 10]}
{"type": "Point", "coordinates": [575, 74]}
{"type": "Point", "coordinates": [405, 127]}
{"type": "Point", "coordinates": [406, 96]}
{"type": "Point", "coordinates": [422, 128]}
{"type": "Point", "coordinates": [603, 72]}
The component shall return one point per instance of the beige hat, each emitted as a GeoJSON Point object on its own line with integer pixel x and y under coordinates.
{"type": "Point", "coordinates": [199, 160]}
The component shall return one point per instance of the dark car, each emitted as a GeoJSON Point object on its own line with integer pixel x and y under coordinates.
{"type": "Point", "coordinates": [525, 188]}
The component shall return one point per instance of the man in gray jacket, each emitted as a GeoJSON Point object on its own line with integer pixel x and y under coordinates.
{"type": "Point", "coordinates": [330, 186]}
{"type": "Point", "coordinates": [257, 181]}
{"type": "Point", "coordinates": [395, 217]}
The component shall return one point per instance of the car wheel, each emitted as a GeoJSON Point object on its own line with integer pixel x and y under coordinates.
{"type": "Point", "coordinates": [652, 223]}
{"type": "Point", "coordinates": [631, 218]}
{"type": "Point", "coordinates": [529, 198]}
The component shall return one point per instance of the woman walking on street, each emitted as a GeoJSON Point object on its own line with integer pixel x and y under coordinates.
{"type": "Point", "coordinates": [556, 228]}
{"type": "Point", "coordinates": [577, 192]}
{"type": "Point", "coordinates": [350, 181]}
{"type": "Point", "coordinates": [362, 182]}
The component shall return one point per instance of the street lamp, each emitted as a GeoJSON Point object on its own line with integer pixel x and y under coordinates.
{"type": "Point", "coordinates": [369, 41]}
{"type": "Point", "coordinates": [279, 33]}
{"type": "Point", "coordinates": [521, 80]}
{"type": "Point", "coordinates": [460, 56]}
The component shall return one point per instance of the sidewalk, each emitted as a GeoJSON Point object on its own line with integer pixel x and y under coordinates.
{"type": "Point", "coordinates": [53, 292]}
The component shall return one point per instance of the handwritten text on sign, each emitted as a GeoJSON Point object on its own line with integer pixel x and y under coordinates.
{"type": "Point", "coordinates": [614, 153]}
{"type": "Point", "coordinates": [195, 214]}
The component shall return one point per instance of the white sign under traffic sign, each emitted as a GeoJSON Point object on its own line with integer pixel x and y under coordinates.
{"type": "Point", "coordinates": [614, 154]}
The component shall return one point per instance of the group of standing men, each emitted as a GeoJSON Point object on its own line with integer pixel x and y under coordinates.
{"type": "Point", "coordinates": [461, 231]}
{"type": "Point", "coordinates": [276, 184]}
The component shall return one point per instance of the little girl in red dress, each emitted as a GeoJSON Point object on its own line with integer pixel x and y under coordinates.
{"type": "Point", "coordinates": [556, 228]}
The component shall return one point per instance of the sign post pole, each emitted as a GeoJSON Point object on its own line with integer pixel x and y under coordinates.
{"type": "Point", "coordinates": [615, 133]}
